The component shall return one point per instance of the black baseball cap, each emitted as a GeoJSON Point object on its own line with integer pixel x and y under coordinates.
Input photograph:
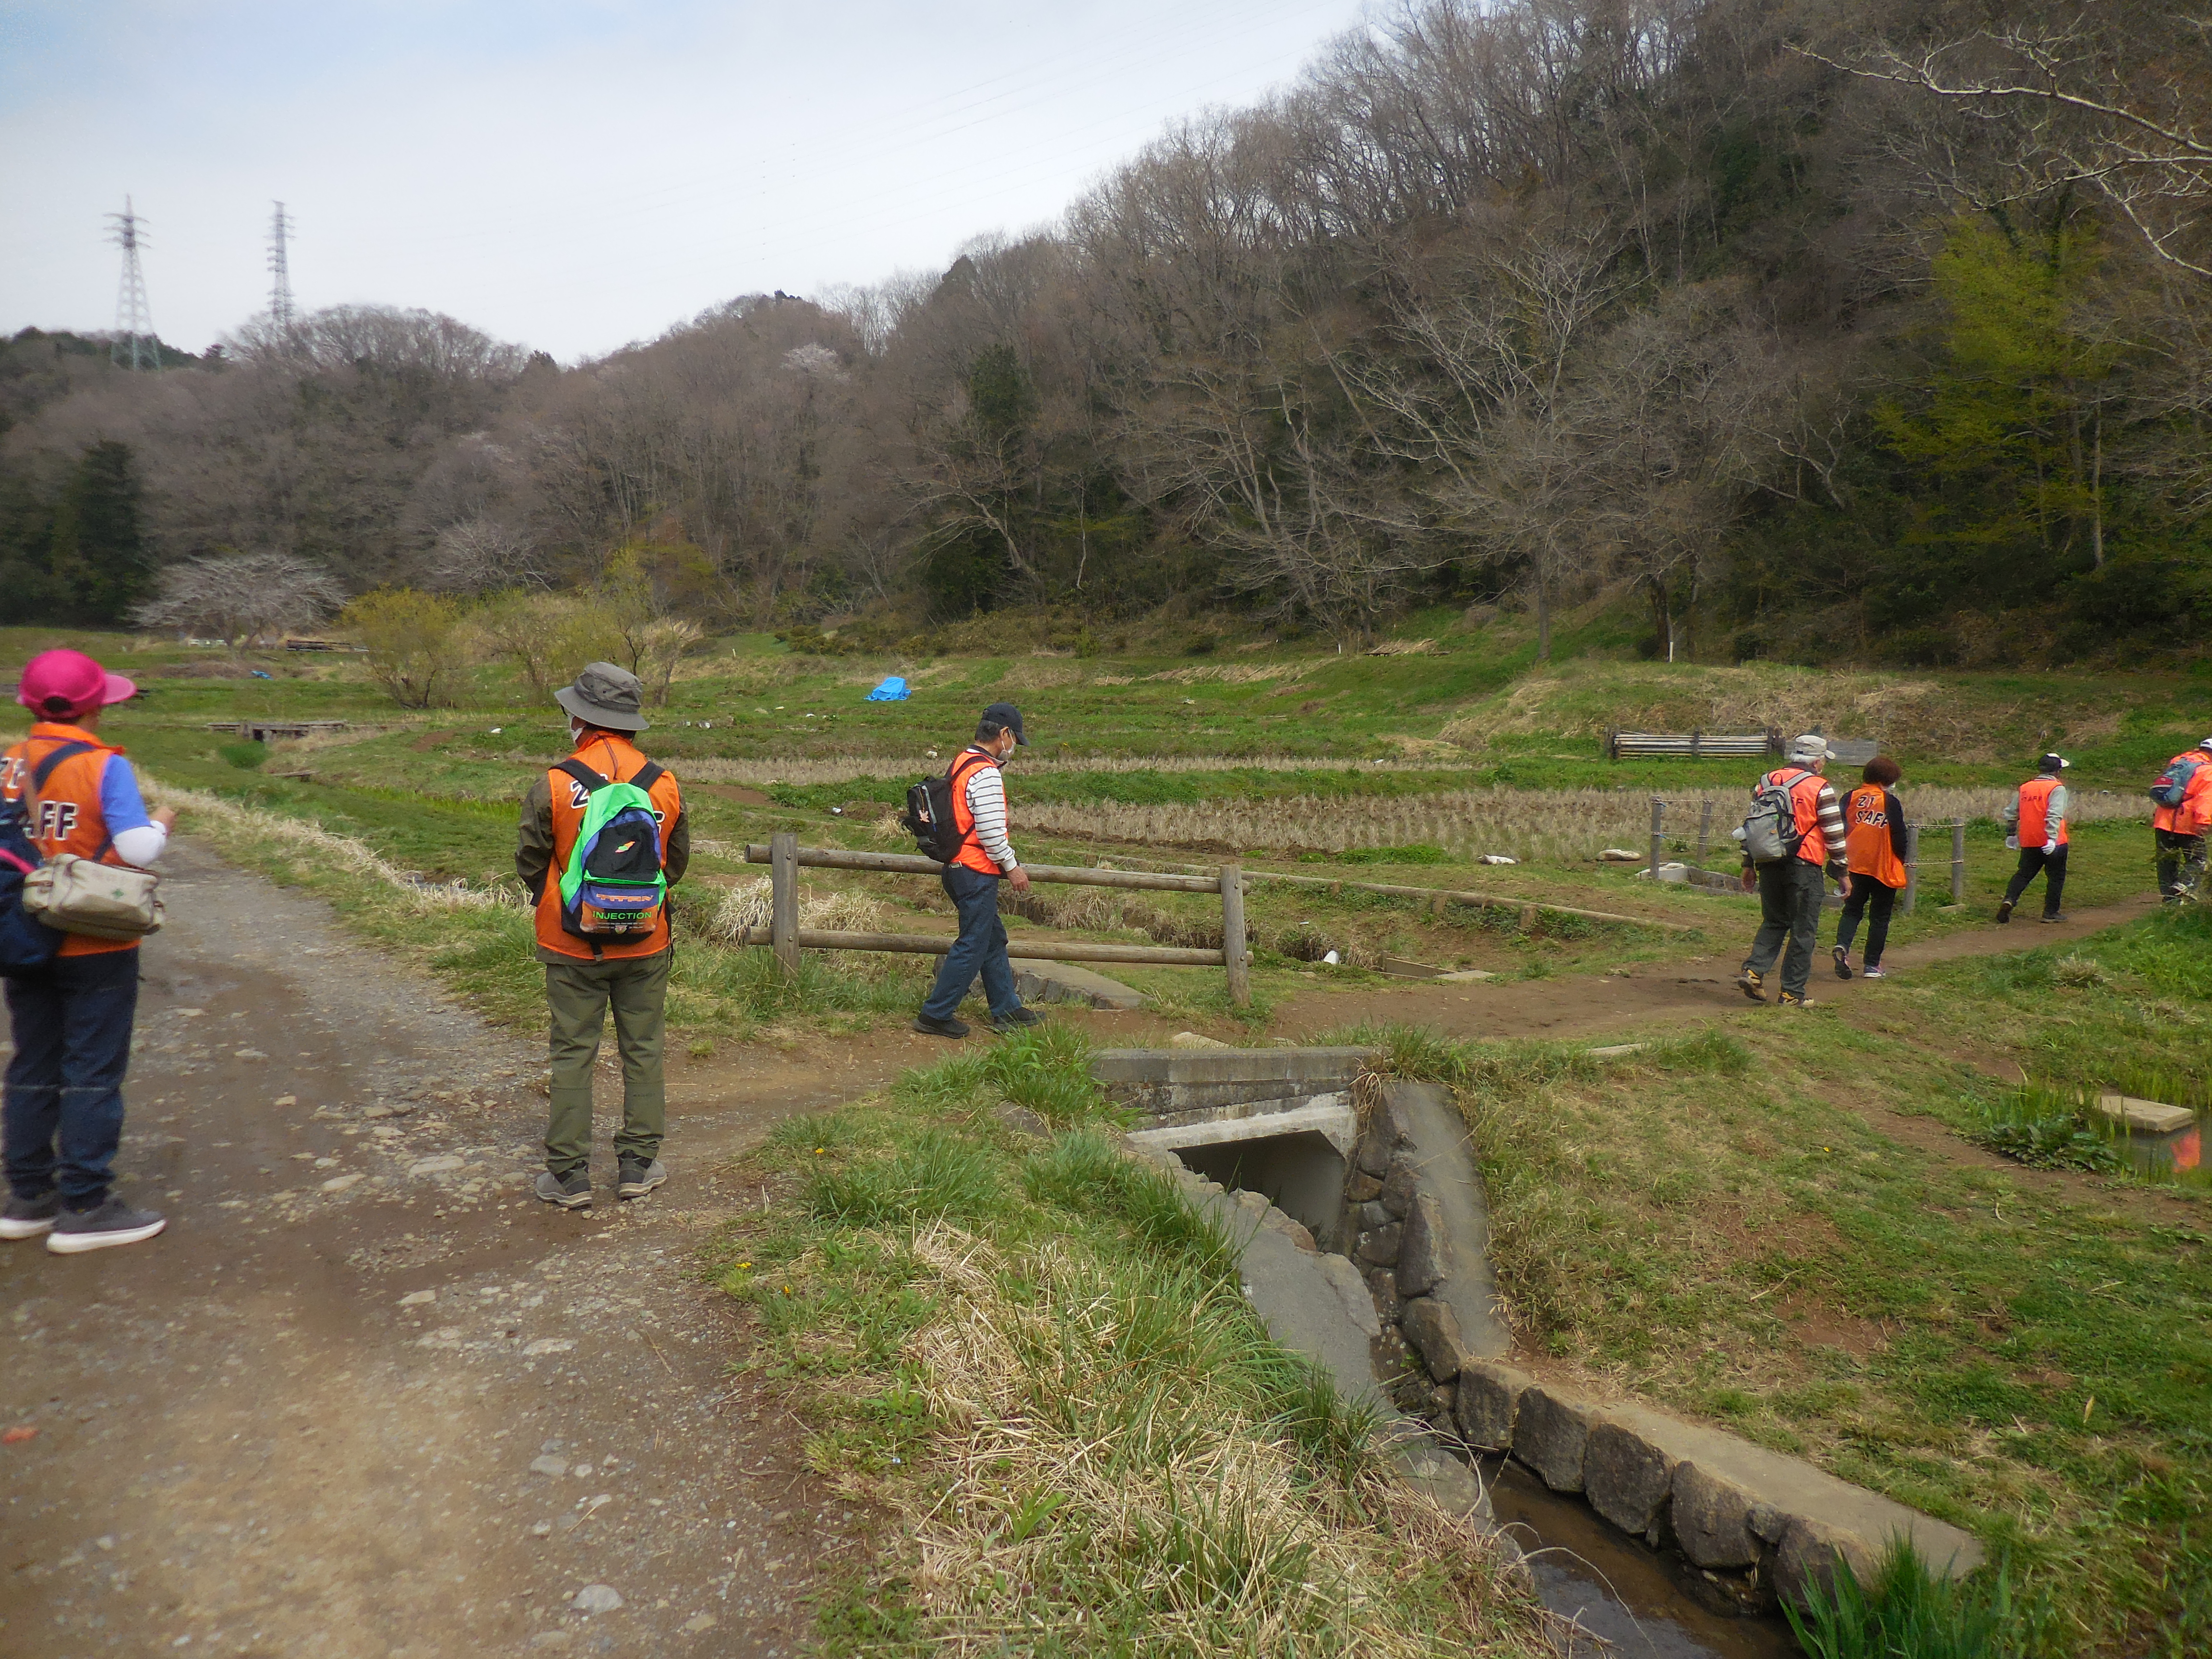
{"type": "Point", "coordinates": [1007, 718]}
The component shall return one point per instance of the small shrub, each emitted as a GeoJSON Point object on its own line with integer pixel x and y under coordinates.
{"type": "Point", "coordinates": [246, 756]}
{"type": "Point", "coordinates": [414, 642]}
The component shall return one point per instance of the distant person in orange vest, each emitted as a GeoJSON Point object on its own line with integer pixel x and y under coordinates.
{"type": "Point", "coordinates": [1874, 843]}
{"type": "Point", "coordinates": [1791, 883]}
{"type": "Point", "coordinates": [2035, 823]}
{"type": "Point", "coordinates": [72, 1018]}
{"type": "Point", "coordinates": [2178, 830]}
{"type": "Point", "coordinates": [971, 881]}
{"type": "Point", "coordinates": [587, 971]}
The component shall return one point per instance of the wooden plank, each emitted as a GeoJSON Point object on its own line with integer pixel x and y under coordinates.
{"type": "Point", "coordinates": [837, 858]}
{"type": "Point", "coordinates": [1020, 949]}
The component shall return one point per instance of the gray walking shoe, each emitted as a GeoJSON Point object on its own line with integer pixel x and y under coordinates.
{"type": "Point", "coordinates": [571, 1193]}
{"type": "Point", "coordinates": [27, 1217]}
{"type": "Point", "coordinates": [113, 1222]}
{"type": "Point", "coordinates": [640, 1177]}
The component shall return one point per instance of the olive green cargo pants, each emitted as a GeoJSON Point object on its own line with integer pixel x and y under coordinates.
{"type": "Point", "coordinates": [578, 994]}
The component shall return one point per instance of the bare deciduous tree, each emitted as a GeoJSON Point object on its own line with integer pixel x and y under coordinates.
{"type": "Point", "coordinates": [241, 598]}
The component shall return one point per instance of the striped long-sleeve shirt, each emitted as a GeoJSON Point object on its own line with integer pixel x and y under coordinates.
{"type": "Point", "coordinates": [987, 801]}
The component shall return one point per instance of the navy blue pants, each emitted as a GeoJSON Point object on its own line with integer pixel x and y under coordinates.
{"type": "Point", "coordinates": [980, 948]}
{"type": "Point", "coordinates": [63, 1112]}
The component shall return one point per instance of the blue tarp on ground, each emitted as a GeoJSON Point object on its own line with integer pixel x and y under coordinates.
{"type": "Point", "coordinates": [893, 689]}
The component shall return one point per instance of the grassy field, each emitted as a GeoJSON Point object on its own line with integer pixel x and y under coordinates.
{"type": "Point", "coordinates": [1786, 1229]}
{"type": "Point", "coordinates": [1791, 1226]}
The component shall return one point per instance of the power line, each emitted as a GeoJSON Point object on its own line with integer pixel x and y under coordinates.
{"type": "Point", "coordinates": [280, 271]}
{"type": "Point", "coordinates": [134, 318]}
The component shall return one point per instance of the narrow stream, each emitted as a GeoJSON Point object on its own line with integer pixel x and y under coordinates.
{"type": "Point", "coordinates": [1634, 1598]}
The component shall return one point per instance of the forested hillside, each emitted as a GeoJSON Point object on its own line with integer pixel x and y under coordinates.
{"type": "Point", "coordinates": [1870, 329]}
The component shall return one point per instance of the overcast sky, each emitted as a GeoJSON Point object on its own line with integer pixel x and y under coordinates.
{"type": "Point", "coordinates": [572, 174]}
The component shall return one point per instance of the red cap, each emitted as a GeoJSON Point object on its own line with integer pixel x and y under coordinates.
{"type": "Point", "coordinates": [59, 685]}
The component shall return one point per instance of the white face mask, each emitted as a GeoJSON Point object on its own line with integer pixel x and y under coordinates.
{"type": "Point", "coordinates": [575, 731]}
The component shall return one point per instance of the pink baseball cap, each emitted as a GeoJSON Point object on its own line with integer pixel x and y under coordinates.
{"type": "Point", "coordinates": [60, 684]}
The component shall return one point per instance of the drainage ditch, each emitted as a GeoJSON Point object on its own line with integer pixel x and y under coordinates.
{"type": "Point", "coordinates": [1649, 1605]}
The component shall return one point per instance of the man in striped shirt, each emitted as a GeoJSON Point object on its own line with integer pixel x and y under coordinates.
{"type": "Point", "coordinates": [971, 881]}
{"type": "Point", "coordinates": [1790, 888]}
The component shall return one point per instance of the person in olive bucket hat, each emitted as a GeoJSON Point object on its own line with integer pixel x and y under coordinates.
{"type": "Point", "coordinates": [604, 943]}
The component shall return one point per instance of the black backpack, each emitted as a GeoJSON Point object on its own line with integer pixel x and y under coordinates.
{"type": "Point", "coordinates": [27, 944]}
{"type": "Point", "coordinates": [928, 816]}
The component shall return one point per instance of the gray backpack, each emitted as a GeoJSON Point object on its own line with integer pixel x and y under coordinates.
{"type": "Point", "coordinates": [1770, 829]}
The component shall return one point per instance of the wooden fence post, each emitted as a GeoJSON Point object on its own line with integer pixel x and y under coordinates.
{"type": "Point", "coordinates": [1705, 832]}
{"type": "Point", "coordinates": [783, 899]}
{"type": "Point", "coordinates": [1658, 833]}
{"type": "Point", "coordinates": [1911, 867]}
{"type": "Point", "coordinates": [1959, 862]}
{"type": "Point", "coordinates": [1232, 935]}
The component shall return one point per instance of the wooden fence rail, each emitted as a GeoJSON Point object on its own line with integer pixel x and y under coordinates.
{"type": "Point", "coordinates": [785, 858]}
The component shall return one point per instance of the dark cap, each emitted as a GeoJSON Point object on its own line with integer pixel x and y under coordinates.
{"type": "Point", "coordinates": [1006, 718]}
{"type": "Point", "coordinates": [604, 696]}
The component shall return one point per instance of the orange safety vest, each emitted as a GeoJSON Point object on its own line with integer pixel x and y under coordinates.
{"type": "Point", "coordinates": [971, 853]}
{"type": "Point", "coordinates": [1867, 843]}
{"type": "Point", "coordinates": [2195, 813]}
{"type": "Point", "coordinates": [1805, 806]}
{"type": "Point", "coordinates": [68, 819]}
{"type": "Point", "coordinates": [2035, 812]}
{"type": "Point", "coordinates": [616, 758]}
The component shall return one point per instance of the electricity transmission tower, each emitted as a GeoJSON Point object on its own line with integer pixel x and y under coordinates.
{"type": "Point", "coordinates": [133, 346]}
{"type": "Point", "coordinates": [280, 271]}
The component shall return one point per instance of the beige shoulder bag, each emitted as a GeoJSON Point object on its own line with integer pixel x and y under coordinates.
{"type": "Point", "coordinates": [83, 895]}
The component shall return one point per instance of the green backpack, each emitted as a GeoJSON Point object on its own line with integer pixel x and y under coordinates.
{"type": "Point", "coordinates": [614, 886]}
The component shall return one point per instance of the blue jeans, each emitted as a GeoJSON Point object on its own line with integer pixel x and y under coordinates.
{"type": "Point", "coordinates": [72, 1028]}
{"type": "Point", "coordinates": [982, 947]}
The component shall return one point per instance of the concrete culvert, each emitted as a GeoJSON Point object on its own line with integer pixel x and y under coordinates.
{"type": "Point", "coordinates": [1302, 1175]}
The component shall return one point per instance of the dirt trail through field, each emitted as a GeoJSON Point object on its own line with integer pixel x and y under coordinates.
{"type": "Point", "coordinates": [367, 1396]}
{"type": "Point", "coordinates": [1689, 991]}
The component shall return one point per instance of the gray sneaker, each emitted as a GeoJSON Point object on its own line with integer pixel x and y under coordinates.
{"type": "Point", "coordinates": [637, 1179]}
{"type": "Point", "coordinates": [27, 1217]}
{"type": "Point", "coordinates": [113, 1222]}
{"type": "Point", "coordinates": [573, 1193]}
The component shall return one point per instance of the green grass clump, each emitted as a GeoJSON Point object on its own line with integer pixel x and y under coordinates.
{"type": "Point", "coordinates": [246, 756]}
{"type": "Point", "coordinates": [1038, 1353]}
{"type": "Point", "coordinates": [1905, 1612]}
{"type": "Point", "coordinates": [2049, 1129]}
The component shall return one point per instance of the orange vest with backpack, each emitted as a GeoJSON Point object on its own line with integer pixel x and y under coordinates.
{"type": "Point", "coordinates": [1867, 841]}
{"type": "Point", "coordinates": [971, 855]}
{"type": "Point", "coordinates": [618, 761]}
{"type": "Point", "coordinates": [2035, 812]}
{"type": "Point", "coordinates": [1804, 790]}
{"type": "Point", "coordinates": [68, 818]}
{"type": "Point", "coordinates": [2194, 813]}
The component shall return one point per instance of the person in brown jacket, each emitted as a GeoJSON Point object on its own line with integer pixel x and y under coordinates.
{"type": "Point", "coordinates": [584, 974]}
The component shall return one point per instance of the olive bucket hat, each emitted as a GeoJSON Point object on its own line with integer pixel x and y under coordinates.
{"type": "Point", "coordinates": [605, 695]}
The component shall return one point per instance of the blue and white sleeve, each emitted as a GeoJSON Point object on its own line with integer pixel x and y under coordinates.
{"type": "Point", "coordinates": [138, 840]}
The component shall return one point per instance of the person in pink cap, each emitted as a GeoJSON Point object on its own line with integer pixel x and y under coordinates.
{"type": "Point", "coordinates": [62, 1112]}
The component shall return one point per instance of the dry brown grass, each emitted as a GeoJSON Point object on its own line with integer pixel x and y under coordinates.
{"type": "Point", "coordinates": [270, 832]}
{"type": "Point", "coordinates": [849, 768]}
{"type": "Point", "coordinates": [1273, 1559]}
{"type": "Point", "coordinates": [747, 905]}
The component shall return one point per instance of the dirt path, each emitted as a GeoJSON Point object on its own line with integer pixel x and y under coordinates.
{"type": "Point", "coordinates": [368, 1397]}
{"type": "Point", "coordinates": [1687, 992]}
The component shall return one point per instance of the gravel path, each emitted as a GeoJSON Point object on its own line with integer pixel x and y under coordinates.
{"type": "Point", "coordinates": [367, 1396]}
